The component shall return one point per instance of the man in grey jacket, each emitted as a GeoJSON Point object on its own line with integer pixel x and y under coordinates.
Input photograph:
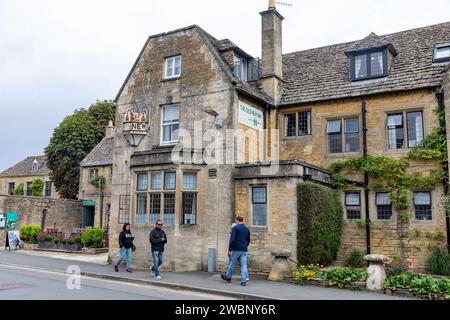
{"type": "Point", "coordinates": [157, 239]}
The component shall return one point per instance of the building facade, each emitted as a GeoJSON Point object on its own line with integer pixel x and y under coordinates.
{"type": "Point", "coordinates": [17, 180]}
{"type": "Point", "coordinates": [257, 127]}
{"type": "Point", "coordinates": [96, 171]}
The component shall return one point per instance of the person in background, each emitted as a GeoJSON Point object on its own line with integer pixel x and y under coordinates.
{"type": "Point", "coordinates": [157, 239]}
{"type": "Point", "coordinates": [126, 243]}
{"type": "Point", "coordinates": [239, 242]}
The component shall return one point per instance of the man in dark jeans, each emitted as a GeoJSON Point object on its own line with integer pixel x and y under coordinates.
{"type": "Point", "coordinates": [239, 241]}
{"type": "Point", "coordinates": [157, 239]}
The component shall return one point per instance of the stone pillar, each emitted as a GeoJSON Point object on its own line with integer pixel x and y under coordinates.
{"type": "Point", "coordinates": [271, 56]}
{"type": "Point", "coordinates": [376, 273]}
{"type": "Point", "coordinates": [280, 267]}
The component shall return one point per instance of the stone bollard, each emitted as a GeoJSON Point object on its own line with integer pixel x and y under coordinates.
{"type": "Point", "coordinates": [376, 273]}
{"type": "Point", "coordinates": [280, 267]}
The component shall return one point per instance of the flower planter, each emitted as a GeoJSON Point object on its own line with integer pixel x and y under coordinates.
{"type": "Point", "coordinates": [47, 245]}
{"type": "Point", "coordinates": [27, 246]}
{"type": "Point", "coordinates": [71, 247]}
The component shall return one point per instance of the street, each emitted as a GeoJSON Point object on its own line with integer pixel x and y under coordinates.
{"type": "Point", "coordinates": [18, 283]}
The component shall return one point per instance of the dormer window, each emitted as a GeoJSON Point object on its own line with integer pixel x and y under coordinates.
{"type": "Point", "coordinates": [240, 67]}
{"type": "Point", "coordinates": [369, 64]}
{"type": "Point", "coordinates": [442, 53]}
{"type": "Point", "coordinates": [35, 166]}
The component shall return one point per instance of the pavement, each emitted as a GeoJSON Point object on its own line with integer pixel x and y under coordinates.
{"type": "Point", "coordinates": [209, 283]}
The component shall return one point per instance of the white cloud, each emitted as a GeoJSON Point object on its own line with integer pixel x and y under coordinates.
{"type": "Point", "coordinates": [56, 55]}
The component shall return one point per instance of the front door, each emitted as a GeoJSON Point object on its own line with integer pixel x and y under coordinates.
{"type": "Point", "coordinates": [88, 216]}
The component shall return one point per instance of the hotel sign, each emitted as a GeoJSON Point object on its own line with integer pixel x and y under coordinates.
{"type": "Point", "coordinates": [250, 117]}
{"type": "Point", "coordinates": [135, 123]}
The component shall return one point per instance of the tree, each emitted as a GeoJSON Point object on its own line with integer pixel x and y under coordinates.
{"type": "Point", "coordinates": [37, 188]}
{"type": "Point", "coordinates": [72, 140]}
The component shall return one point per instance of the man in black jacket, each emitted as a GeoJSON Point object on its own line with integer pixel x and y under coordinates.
{"type": "Point", "coordinates": [157, 239]}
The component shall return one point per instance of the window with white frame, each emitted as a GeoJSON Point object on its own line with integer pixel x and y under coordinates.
{"type": "Point", "coordinates": [141, 208]}
{"type": "Point", "coordinates": [422, 206]}
{"type": "Point", "coordinates": [297, 124]}
{"type": "Point", "coordinates": [142, 182]}
{"type": "Point", "coordinates": [240, 67]}
{"type": "Point", "coordinates": [353, 205]}
{"type": "Point", "coordinates": [173, 67]}
{"type": "Point", "coordinates": [397, 130]}
{"type": "Point", "coordinates": [189, 200]}
{"type": "Point", "coordinates": [334, 130]}
{"type": "Point", "coordinates": [11, 188]}
{"type": "Point", "coordinates": [48, 189]}
{"type": "Point", "coordinates": [259, 202]}
{"type": "Point", "coordinates": [384, 206]}
{"type": "Point", "coordinates": [352, 135]}
{"type": "Point", "coordinates": [442, 53]}
{"type": "Point", "coordinates": [170, 122]}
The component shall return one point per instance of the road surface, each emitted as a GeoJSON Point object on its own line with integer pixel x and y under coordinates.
{"type": "Point", "coordinates": [18, 283]}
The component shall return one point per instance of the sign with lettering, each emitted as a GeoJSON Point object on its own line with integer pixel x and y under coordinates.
{"type": "Point", "coordinates": [135, 123]}
{"type": "Point", "coordinates": [2, 221]}
{"type": "Point", "coordinates": [250, 117]}
{"type": "Point", "coordinates": [11, 221]}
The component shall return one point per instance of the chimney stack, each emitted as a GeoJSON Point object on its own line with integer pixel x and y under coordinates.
{"type": "Point", "coordinates": [109, 132]}
{"type": "Point", "coordinates": [271, 57]}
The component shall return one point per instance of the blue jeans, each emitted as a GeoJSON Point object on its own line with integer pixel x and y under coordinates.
{"type": "Point", "coordinates": [125, 254]}
{"type": "Point", "coordinates": [158, 259]}
{"type": "Point", "coordinates": [242, 257]}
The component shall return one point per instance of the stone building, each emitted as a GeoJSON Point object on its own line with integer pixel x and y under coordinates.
{"type": "Point", "coordinates": [292, 115]}
{"type": "Point", "coordinates": [23, 174]}
{"type": "Point", "coordinates": [96, 197]}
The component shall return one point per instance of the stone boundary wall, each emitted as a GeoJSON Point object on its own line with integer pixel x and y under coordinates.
{"type": "Point", "coordinates": [60, 214]}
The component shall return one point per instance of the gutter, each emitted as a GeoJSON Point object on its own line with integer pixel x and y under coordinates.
{"type": "Point", "coordinates": [366, 176]}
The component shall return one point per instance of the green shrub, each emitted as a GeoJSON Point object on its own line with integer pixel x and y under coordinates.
{"type": "Point", "coordinates": [343, 277]}
{"type": "Point", "coordinates": [48, 238]}
{"type": "Point", "coordinates": [37, 188]}
{"type": "Point", "coordinates": [320, 220]}
{"type": "Point", "coordinates": [56, 241]}
{"type": "Point", "coordinates": [93, 238]}
{"type": "Point", "coordinates": [30, 233]}
{"type": "Point", "coordinates": [432, 287]}
{"type": "Point", "coordinates": [438, 262]}
{"type": "Point", "coordinates": [78, 240]}
{"type": "Point", "coordinates": [19, 190]}
{"type": "Point", "coordinates": [356, 259]}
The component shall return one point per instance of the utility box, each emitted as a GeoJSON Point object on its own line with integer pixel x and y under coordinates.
{"type": "Point", "coordinates": [212, 260]}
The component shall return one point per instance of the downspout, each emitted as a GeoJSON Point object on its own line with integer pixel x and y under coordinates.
{"type": "Point", "coordinates": [366, 176]}
{"type": "Point", "coordinates": [440, 98]}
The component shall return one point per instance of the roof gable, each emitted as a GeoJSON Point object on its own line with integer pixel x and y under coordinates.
{"type": "Point", "coordinates": [324, 73]}
{"type": "Point", "coordinates": [24, 168]}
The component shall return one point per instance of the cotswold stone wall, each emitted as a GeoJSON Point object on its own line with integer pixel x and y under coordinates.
{"type": "Point", "coordinates": [418, 236]}
{"type": "Point", "coordinates": [61, 214]}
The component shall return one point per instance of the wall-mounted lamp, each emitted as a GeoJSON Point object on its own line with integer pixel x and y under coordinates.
{"type": "Point", "coordinates": [218, 123]}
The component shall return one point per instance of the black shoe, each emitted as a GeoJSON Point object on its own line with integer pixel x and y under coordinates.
{"type": "Point", "coordinates": [116, 268]}
{"type": "Point", "coordinates": [224, 277]}
{"type": "Point", "coordinates": [244, 284]}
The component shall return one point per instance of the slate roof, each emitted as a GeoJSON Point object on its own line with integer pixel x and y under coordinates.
{"type": "Point", "coordinates": [23, 168]}
{"type": "Point", "coordinates": [101, 155]}
{"type": "Point", "coordinates": [324, 73]}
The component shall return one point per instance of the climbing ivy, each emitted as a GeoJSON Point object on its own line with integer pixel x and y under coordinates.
{"type": "Point", "coordinates": [391, 175]}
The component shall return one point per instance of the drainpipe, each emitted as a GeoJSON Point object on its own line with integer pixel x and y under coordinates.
{"type": "Point", "coordinates": [440, 98]}
{"type": "Point", "coordinates": [366, 176]}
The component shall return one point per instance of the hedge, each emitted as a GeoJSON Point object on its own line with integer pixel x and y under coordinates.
{"type": "Point", "coordinates": [320, 221]}
{"type": "Point", "coordinates": [30, 233]}
{"type": "Point", "coordinates": [93, 238]}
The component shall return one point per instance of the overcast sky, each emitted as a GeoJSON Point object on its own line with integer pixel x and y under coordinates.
{"type": "Point", "coordinates": [59, 55]}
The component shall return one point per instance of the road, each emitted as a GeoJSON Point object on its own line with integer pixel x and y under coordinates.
{"type": "Point", "coordinates": [18, 283]}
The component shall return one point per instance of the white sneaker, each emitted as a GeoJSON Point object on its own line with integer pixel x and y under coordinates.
{"type": "Point", "coordinates": [158, 278]}
{"type": "Point", "coordinates": [153, 274]}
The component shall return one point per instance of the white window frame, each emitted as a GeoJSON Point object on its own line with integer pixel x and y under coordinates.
{"type": "Point", "coordinates": [166, 67]}
{"type": "Point", "coordinates": [436, 49]}
{"type": "Point", "coordinates": [244, 70]}
{"type": "Point", "coordinates": [162, 142]}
